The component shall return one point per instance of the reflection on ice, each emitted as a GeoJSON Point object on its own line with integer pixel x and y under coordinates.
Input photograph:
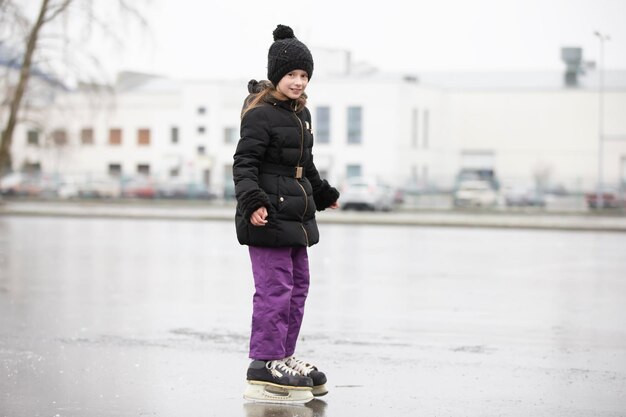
{"type": "Point", "coordinates": [314, 408]}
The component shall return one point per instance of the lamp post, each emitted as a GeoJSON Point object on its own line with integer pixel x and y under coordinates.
{"type": "Point", "coordinates": [602, 37]}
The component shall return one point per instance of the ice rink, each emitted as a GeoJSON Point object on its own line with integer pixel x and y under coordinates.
{"type": "Point", "coordinates": [115, 317]}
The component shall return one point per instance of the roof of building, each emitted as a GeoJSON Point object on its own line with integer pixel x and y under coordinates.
{"type": "Point", "coordinates": [614, 80]}
{"type": "Point", "coordinates": [137, 81]}
{"type": "Point", "coordinates": [522, 80]}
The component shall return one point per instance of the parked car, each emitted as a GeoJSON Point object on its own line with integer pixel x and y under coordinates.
{"type": "Point", "coordinates": [68, 189]}
{"type": "Point", "coordinates": [16, 183]}
{"type": "Point", "coordinates": [361, 193]}
{"type": "Point", "coordinates": [611, 198]}
{"type": "Point", "coordinates": [523, 196]}
{"type": "Point", "coordinates": [29, 185]}
{"type": "Point", "coordinates": [475, 193]}
{"type": "Point", "coordinates": [229, 191]}
{"type": "Point", "coordinates": [479, 174]}
{"type": "Point", "coordinates": [100, 188]}
{"type": "Point", "coordinates": [185, 190]}
{"type": "Point", "coordinates": [139, 187]}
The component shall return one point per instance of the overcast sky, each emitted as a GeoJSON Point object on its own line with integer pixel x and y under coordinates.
{"type": "Point", "coordinates": [229, 39]}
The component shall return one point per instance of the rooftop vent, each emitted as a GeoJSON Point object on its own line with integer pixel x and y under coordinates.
{"type": "Point", "coordinates": [573, 58]}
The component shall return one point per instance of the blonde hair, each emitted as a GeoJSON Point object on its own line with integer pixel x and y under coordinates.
{"type": "Point", "coordinates": [268, 95]}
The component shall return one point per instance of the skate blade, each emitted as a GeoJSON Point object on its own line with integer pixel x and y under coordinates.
{"type": "Point", "coordinates": [319, 390]}
{"type": "Point", "coordinates": [270, 393]}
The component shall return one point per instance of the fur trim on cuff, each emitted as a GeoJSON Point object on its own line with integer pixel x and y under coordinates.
{"type": "Point", "coordinates": [325, 196]}
{"type": "Point", "coordinates": [251, 200]}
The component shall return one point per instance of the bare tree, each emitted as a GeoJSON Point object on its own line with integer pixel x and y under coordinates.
{"type": "Point", "coordinates": [49, 12]}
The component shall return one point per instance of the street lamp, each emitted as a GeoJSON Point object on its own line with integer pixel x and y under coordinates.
{"type": "Point", "coordinates": [602, 37]}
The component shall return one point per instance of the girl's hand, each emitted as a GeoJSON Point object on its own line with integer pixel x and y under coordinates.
{"type": "Point", "coordinates": [335, 205]}
{"type": "Point", "coordinates": [258, 217]}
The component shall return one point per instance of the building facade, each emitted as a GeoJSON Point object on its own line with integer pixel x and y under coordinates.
{"type": "Point", "coordinates": [410, 131]}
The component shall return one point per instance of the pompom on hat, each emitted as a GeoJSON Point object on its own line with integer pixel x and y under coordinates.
{"type": "Point", "coordinates": [286, 54]}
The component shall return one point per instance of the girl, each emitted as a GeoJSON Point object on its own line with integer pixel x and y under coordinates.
{"type": "Point", "coordinates": [278, 190]}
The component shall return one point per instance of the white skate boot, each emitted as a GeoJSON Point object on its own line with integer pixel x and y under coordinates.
{"type": "Point", "coordinates": [275, 382]}
{"type": "Point", "coordinates": [306, 369]}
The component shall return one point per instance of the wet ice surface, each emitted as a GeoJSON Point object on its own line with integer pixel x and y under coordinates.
{"type": "Point", "coordinates": [134, 318]}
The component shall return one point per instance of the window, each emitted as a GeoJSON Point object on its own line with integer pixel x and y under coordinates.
{"type": "Point", "coordinates": [143, 137]}
{"type": "Point", "coordinates": [201, 130]}
{"type": "Point", "coordinates": [174, 134]}
{"type": "Point", "coordinates": [201, 150]}
{"type": "Point", "coordinates": [32, 137]}
{"type": "Point", "coordinates": [143, 169]}
{"type": "Point", "coordinates": [86, 136]}
{"type": "Point", "coordinates": [115, 170]}
{"type": "Point", "coordinates": [354, 124]}
{"type": "Point", "coordinates": [59, 137]}
{"type": "Point", "coordinates": [322, 124]}
{"type": "Point", "coordinates": [115, 136]}
{"type": "Point", "coordinates": [201, 110]}
{"type": "Point", "coordinates": [425, 124]}
{"type": "Point", "coordinates": [353, 171]}
{"type": "Point", "coordinates": [230, 135]}
{"type": "Point", "coordinates": [414, 128]}
{"type": "Point", "coordinates": [31, 167]}
{"type": "Point", "coordinates": [174, 172]}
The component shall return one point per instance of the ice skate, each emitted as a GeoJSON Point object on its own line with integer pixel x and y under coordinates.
{"type": "Point", "coordinates": [306, 369]}
{"type": "Point", "coordinates": [275, 382]}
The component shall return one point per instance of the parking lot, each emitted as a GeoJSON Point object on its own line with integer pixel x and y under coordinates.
{"type": "Point", "coordinates": [364, 194]}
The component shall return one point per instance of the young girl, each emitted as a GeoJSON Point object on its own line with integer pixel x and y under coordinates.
{"type": "Point", "coordinates": [278, 190]}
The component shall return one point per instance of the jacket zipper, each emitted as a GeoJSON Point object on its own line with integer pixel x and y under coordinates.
{"type": "Point", "coordinates": [306, 199]}
{"type": "Point", "coordinates": [301, 137]}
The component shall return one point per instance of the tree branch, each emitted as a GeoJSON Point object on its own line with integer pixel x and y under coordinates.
{"type": "Point", "coordinates": [40, 48]}
{"type": "Point", "coordinates": [16, 102]}
{"type": "Point", "coordinates": [57, 11]}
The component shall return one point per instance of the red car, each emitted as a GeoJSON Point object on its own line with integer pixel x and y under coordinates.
{"type": "Point", "coordinates": [611, 198]}
{"type": "Point", "coordinates": [139, 188]}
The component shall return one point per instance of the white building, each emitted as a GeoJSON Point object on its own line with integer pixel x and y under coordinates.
{"type": "Point", "coordinates": [416, 129]}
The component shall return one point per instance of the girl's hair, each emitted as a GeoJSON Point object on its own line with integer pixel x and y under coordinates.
{"type": "Point", "coordinates": [268, 94]}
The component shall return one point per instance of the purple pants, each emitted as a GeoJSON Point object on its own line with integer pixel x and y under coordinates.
{"type": "Point", "coordinates": [281, 280]}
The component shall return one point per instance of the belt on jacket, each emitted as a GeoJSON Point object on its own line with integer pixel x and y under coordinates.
{"type": "Point", "coordinates": [284, 170]}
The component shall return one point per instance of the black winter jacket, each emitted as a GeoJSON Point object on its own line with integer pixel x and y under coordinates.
{"type": "Point", "coordinates": [274, 141]}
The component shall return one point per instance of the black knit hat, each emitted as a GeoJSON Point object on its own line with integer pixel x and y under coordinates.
{"type": "Point", "coordinates": [286, 54]}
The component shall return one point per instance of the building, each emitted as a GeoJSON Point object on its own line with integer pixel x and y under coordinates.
{"type": "Point", "coordinates": [410, 130]}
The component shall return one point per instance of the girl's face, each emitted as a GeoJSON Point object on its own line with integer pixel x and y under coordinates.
{"type": "Point", "coordinates": [293, 84]}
